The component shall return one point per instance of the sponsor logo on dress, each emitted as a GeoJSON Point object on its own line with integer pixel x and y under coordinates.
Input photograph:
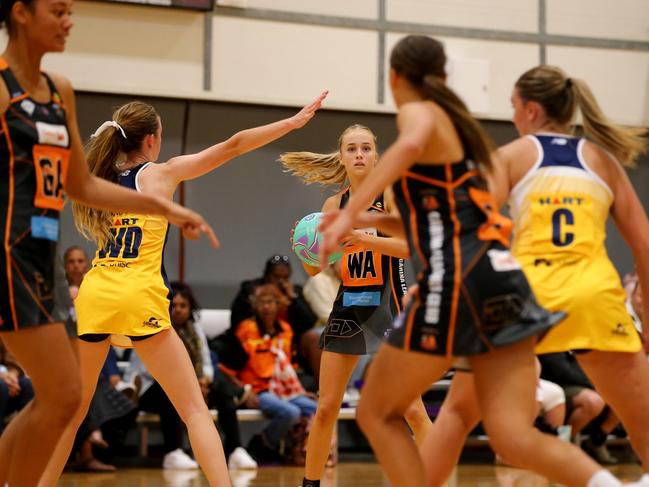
{"type": "Point", "coordinates": [28, 106]}
{"type": "Point", "coordinates": [428, 342]}
{"type": "Point", "coordinates": [502, 260]}
{"type": "Point", "coordinates": [436, 277]}
{"type": "Point", "coordinates": [52, 134]}
{"type": "Point", "coordinates": [429, 202]}
{"type": "Point", "coordinates": [343, 328]}
{"type": "Point", "coordinates": [501, 311]}
{"type": "Point", "coordinates": [152, 322]}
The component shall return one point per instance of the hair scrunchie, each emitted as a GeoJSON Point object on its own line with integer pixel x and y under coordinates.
{"type": "Point", "coordinates": [105, 125]}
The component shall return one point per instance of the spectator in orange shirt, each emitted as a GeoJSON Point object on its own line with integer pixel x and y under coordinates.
{"type": "Point", "coordinates": [277, 391]}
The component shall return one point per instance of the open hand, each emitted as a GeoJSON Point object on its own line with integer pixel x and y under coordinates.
{"type": "Point", "coordinates": [301, 118]}
{"type": "Point", "coordinates": [333, 231]}
{"type": "Point", "coordinates": [191, 223]}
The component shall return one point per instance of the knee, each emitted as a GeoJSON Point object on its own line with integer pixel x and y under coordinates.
{"type": "Point", "coordinates": [288, 413]}
{"type": "Point", "coordinates": [513, 445]}
{"type": "Point", "coordinates": [327, 412]}
{"type": "Point", "coordinates": [63, 406]}
{"type": "Point", "coordinates": [189, 411]}
{"type": "Point", "coordinates": [368, 415]}
{"type": "Point", "coordinates": [463, 415]}
{"type": "Point", "coordinates": [415, 415]}
{"type": "Point", "coordinates": [593, 403]}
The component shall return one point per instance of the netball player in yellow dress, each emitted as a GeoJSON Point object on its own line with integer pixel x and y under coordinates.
{"type": "Point", "coordinates": [561, 190]}
{"type": "Point", "coordinates": [125, 297]}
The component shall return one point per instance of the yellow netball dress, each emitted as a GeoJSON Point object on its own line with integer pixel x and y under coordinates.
{"type": "Point", "coordinates": [560, 209]}
{"type": "Point", "coordinates": [126, 294]}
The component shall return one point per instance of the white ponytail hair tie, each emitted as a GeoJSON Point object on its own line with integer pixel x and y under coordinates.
{"type": "Point", "coordinates": [105, 125]}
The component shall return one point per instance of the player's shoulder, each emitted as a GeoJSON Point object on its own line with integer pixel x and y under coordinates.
{"type": "Point", "coordinates": [333, 202]}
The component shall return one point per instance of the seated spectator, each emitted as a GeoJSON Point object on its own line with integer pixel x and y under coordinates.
{"type": "Point", "coordinates": [76, 264]}
{"type": "Point", "coordinates": [585, 407]}
{"type": "Point", "coordinates": [219, 392]}
{"type": "Point", "coordinates": [15, 388]}
{"type": "Point", "coordinates": [551, 401]}
{"type": "Point", "coordinates": [267, 339]}
{"type": "Point", "coordinates": [293, 308]}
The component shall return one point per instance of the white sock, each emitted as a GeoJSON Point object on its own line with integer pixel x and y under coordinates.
{"type": "Point", "coordinates": [603, 478]}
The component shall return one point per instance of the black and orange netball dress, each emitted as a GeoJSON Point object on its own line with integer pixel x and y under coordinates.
{"type": "Point", "coordinates": [368, 299]}
{"type": "Point", "coordinates": [473, 296]}
{"type": "Point", "coordinates": [34, 154]}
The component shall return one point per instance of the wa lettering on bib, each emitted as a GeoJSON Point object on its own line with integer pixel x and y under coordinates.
{"type": "Point", "coordinates": [362, 267]}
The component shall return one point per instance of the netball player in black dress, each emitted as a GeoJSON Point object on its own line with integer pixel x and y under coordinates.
{"type": "Point", "coordinates": [39, 140]}
{"type": "Point", "coordinates": [473, 300]}
{"type": "Point", "coordinates": [369, 297]}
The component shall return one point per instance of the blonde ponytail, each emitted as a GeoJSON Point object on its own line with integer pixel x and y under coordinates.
{"type": "Point", "coordinates": [324, 169]}
{"type": "Point", "coordinates": [625, 143]}
{"type": "Point", "coordinates": [102, 153]}
{"type": "Point", "coordinates": [134, 121]}
{"type": "Point", "coordinates": [561, 97]}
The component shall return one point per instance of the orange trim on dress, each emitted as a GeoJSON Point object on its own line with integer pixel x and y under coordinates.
{"type": "Point", "coordinates": [465, 176]}
{"type": "Point", "coordinates": [394, 292]}
{"type": "Point", "coordinates": [457, 258]}
{"type": "Point", "coordinates": [18, 98]}
{"type": "Point", "coordinates": [10, 207]}
{"type": "Point", "coordinates": [410, 320]}
{"type": "Point", "coordinates": [424, 179]}
{"type": "Point", "coordinates": [34, 297]}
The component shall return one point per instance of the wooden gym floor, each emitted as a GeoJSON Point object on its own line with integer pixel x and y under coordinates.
{"type": "Point", "coordinates": [344, 475]}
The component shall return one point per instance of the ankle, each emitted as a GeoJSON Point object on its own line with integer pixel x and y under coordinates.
{"type": "Point", "coordinates": [310, 483]}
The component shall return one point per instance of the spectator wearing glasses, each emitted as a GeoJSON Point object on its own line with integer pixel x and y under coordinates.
{"type": "Point", "coordinates": [294, 309]}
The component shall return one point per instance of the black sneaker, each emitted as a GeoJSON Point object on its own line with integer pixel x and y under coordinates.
{"type": "Point", "coordinates": [261, 452]}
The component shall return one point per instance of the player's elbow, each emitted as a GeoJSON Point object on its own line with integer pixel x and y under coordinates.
{"type": "Point", "coordinates": [412, 149]}
{"type": "Point", "coordinates": [76, 190]}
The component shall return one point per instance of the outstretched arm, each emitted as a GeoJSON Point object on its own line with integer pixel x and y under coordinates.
{"type": "Point", "coordinates": [192, 166]}
{"type": "Point", "coordinates": [415, 126]}
{"type": "Point", "coordinates": [95, 192]}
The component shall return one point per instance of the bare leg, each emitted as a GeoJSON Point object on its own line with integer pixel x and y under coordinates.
{"type": "Point", "coordinates": [505, 382]}
{"type": "Point", "coordinates": [443, 445]}
{"type": "Point", "coordinates": [395, 379]}
{"type": "Point", "coordinates": [617, 377]}
{"type": "Point", "coordinates": [47, 357]}
{"type": "Point", "coordinates": [165, 356]}
{"type": "Point", "coordinates": [14, 428]}
{"type": "Point", "coordinates": [335, 373]}
{"type": "Point", "coordinates": [610, 422]}
{"type": "Point", "coordinates": [417, 418]}
{"type": "Point", "coordinates": [91, 359]}
{"type": "Point", "coordinates": [556, 416]}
